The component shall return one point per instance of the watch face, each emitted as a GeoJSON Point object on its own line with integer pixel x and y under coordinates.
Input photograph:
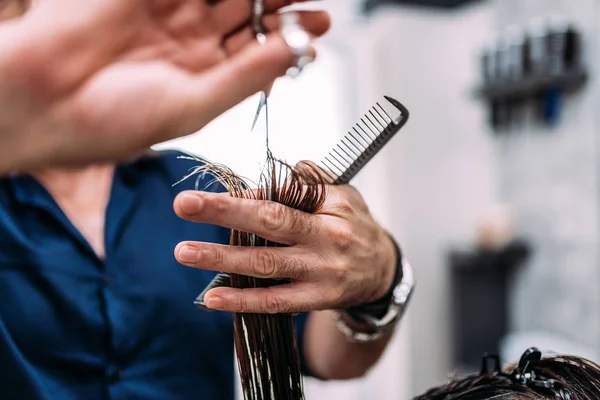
{"type": "Point", "coordinates": [404, 289]}
{"type": "Point", "coordinates": [402, 292]}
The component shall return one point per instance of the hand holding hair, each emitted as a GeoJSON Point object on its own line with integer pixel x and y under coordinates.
{"type": "Point", "coordinates": [336, 258]}
{"type": "Point", "coordinates": [85, 81]}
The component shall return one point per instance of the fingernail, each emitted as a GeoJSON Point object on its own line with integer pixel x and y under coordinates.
{"type": "Point", "coordinates": [214, 302]}
{"type": "Point", "coordinates": [188, 254]}
{"type": "Point", "coordinates": [191, 204]}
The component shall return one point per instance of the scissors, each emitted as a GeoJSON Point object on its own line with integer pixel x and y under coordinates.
{"type": "Point", "coordinates": [258, 10]}
{"type": "Point", "coordinates": [295, 37]}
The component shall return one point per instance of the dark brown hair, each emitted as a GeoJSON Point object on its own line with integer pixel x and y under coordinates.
{"type": "Point", "coordinates": [266, 345]}
{"type": "Point", "coordinates": [557, 377]}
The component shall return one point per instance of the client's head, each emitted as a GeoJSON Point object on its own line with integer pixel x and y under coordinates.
{"type": "Point", "coordinates": [534, 378]}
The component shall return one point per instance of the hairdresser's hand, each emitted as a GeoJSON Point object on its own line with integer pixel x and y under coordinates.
{"type": "Point", "coordinates": [337, 258]}
{"type": "Point", "coordinates": [82, 81]}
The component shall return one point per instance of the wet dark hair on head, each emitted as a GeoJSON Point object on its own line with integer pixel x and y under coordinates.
{"type": "Point", "coordinates": [534, 378]}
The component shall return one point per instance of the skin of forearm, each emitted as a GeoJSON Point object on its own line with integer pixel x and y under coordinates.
{"type": "Point", "coordinates": [330, 355]}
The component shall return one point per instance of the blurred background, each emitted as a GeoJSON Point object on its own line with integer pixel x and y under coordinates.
{"type": "Point", "coordinates": [491, 188]}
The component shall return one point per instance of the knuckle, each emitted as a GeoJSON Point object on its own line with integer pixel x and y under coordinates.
{"type": "Point", "coordinates": [341, 279]}
{"type": "Point", "coordinates": [264, 263]}
{"type": "Point", "coordinates": [343, 238]}
{"type": "Point", "coordinates": [221, 204]}
{"type": "Point", "coordinates": [241, 304]}
{"type": "Point", "coordinates": [344, 207]}
{"type": "Point", "coordinates": [274, 304]}
{"type": "Point", "coordinates": [271, 216]}
{"type": "Point", "coordinates": [300, 224]}
{"type": "Point", "coordinates": [339, 274]}
{"type": "Point", "coordinates": [295, 268]}
{"type": "Point", "coordinates": [214, 256]}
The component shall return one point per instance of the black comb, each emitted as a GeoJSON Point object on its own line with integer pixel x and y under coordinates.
{"type": "Point", "coordinates": [221, 280]}
{"type": "Point", "coordinates": [366, 138]}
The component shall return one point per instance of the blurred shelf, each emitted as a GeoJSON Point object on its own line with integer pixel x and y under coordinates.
{"type": "Point", "coordinates": [533, 86]}
{"type": "Point", "coordinates": [370, 5]}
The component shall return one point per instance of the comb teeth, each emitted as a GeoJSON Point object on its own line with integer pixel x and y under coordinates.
{"type": "Point", "coordinates": [363, 141]}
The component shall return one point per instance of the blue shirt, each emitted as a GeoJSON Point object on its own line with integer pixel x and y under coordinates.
{"type": "Point", "coordinates": [73, 326]}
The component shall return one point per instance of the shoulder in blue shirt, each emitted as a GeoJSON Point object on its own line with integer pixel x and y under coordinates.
{"type": "Point", "coordinates": [73, 326]}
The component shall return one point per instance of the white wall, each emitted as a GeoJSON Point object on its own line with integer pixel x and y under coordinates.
{"type": "Point", "coordinates": [440, 171]}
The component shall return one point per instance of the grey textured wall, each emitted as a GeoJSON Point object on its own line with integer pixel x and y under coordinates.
{"type": "Point", "coordinates": [550, 176]}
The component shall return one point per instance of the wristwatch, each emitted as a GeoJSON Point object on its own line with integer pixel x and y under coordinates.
{"type": "Point", "coordinates": [370, 322]}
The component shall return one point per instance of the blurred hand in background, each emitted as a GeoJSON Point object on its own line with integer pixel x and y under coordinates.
{"type": "Point", "coordinates": [87, 81]}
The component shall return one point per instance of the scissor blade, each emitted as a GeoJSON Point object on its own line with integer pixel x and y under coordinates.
{"type": "Point", "coordinates": [261, 104]}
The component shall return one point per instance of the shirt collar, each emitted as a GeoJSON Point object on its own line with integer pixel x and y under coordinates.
{"type": "Point", "coordinates": [28, 191]}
